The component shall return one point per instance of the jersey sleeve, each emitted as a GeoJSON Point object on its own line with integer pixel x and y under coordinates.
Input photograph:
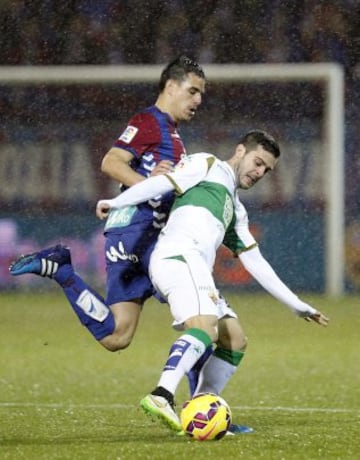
{"type": "Point", "coordinates": [141, 134]}
{"type": "Point", "coordinates": [265, 275]}
{"type": "Point", "coordinates": [140, 192]}
{"type": "Point", "coordinates": [187, 173]}
{"type": "Point", "coordinates": [238, 237]}
{"type": "Point", "coordinates": [190, 171]}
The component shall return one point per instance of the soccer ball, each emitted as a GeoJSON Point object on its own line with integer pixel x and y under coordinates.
{"type": "Point", "coordinates": [206, 416]}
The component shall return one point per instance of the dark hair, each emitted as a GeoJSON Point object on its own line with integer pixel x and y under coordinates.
{"type": "Point", "coordinates": [258, 137]}
{"type": "Point", "coordinates": [178, 70]}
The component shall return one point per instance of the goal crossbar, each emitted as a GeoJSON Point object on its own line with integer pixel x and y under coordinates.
{"type": "Point", "coordinates": [330, 74]}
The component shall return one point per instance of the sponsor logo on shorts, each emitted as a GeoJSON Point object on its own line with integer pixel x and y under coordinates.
{"type": "Point", "coordinates": [115, 254]}
{"type": "Point", "coordinates": [210, 292]}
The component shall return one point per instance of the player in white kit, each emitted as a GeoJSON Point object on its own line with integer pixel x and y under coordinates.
{"type": "Point", "coordinates": [207, 213]}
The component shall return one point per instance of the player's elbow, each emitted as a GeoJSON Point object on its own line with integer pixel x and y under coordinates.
{"type": "Point", "coordinates": [105, 166]}
{"type": "Point", "coordinates": [115, 163]}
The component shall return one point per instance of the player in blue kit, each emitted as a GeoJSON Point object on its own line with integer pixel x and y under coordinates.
{"type": "Point", "coordinates": [149, 145]}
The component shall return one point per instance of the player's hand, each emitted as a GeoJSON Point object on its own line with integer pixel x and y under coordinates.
{"type": "Point", "coordinates": [163, 167]}
{"type": "Point", "coordinates": [318, 318]}
{"type": "Point", "coordinates": [102, 209]}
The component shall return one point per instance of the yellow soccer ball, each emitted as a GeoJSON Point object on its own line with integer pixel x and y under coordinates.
{"type": "Point", "coordinates": [205, 417]}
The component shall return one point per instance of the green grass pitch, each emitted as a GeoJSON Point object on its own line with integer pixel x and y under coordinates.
{"type": "Point", "coordinates": [64, 397]}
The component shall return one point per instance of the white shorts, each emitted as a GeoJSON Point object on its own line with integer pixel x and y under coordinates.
{"type": "Point", "coordinates": [188, 286]}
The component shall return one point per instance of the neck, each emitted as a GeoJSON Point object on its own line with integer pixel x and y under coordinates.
{"type": "Point", "coordinates": [162, 105]}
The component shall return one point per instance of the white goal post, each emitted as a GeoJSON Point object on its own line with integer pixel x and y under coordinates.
{"type": "Point", "coordinates": [330, 74]}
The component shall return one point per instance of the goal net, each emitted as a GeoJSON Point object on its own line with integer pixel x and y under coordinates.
{"type": "Point", "coordinates": [59, 121]}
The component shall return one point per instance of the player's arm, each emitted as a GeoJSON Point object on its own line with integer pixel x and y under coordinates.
{"type": "Point", "coordinates": [138, 193]}
{"type": "Point", "coordinates": [254, 262]}
{"type": "Point", "coordinates": [187, 173]}
{"type": "Point", "coordinates": [116, 164]}
{"type": "Point", "coordinates": [265, 275]}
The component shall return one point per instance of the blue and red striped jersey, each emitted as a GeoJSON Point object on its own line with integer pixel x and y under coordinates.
{"type": "Point", "coordinates": [150, 136]}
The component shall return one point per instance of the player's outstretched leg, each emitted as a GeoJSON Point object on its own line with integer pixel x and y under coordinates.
{"type": "Point", "coordinates": [89, 306]}
{"type": "Point", "coordinates": [160, 404]}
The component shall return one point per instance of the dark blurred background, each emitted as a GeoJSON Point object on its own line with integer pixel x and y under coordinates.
{"type": "Point", "coordinates": [77, 32]}
{"type": "Point", "coordinates": [52, 138]}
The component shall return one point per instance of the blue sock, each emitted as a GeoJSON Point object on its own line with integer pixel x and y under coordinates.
{"type": "Point", "coordinates": [193, 374]}
{"type": "Point", "coordinates": [88, 305]}
{"type": "Point", "coordinates": [183, 355]}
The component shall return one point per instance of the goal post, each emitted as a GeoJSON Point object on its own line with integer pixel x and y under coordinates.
{"type": "Point", "coordinates": [330, 74]}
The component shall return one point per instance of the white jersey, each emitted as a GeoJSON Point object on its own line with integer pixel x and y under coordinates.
{"type": "Point", "coordinates": [206, 212]}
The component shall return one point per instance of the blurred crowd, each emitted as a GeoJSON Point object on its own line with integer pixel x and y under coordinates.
{"type": "Point", "coordinates": [76, 32]}
{"type": "Point", "coordinates": [46, 32]}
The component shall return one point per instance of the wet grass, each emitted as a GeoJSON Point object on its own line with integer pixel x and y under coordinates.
{"type": "Point", "coordinates": [64, 397]}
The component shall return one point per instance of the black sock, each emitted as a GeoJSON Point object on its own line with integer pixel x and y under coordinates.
{"type": "Point", "coordinates": [161, 391]}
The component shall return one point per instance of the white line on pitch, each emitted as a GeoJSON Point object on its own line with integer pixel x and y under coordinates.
{"type": "Point", "coordinates": [124, 406]}
{"type": "Point", "coordinates": [296, 409]}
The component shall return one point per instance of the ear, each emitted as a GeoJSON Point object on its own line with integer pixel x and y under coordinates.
{"type": "Point", "coordinates": [169, 86]}
{"type": "Point", "coordinates": [240, 150]}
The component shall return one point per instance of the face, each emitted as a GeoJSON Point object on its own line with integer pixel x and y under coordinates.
{"type": "Point", "coordinates": [251, 166]}
{"type": "Point", "coordinates": [185, 97]}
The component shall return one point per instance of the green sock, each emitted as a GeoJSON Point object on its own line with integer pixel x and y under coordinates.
{"type": "Point", "coordinates": [218, 370]}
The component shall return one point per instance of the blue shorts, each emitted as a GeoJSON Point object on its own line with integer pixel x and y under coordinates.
{"type": "Point", "coordinates": [127, 260]}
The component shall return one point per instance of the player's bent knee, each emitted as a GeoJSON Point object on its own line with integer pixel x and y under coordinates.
{"type": "Point", "coordinates": [115, 343]}
{"type": "Point", "coordinates": [243, 343]}
{"type": "Point", "coordinates": [233, 342]}
{"type": "Point", "coordinates": [239, 343]}
{"type": "Point", "coordinates": [207, 323]}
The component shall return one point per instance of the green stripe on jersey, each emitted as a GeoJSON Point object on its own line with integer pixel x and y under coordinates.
{"type": "Point", "coordinates": [212, 196]}
{"type": "Point", "coordinates": [234, 243]}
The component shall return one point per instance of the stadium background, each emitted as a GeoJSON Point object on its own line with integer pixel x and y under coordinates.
{"type": "Point", "coordinates": [52, 138]}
